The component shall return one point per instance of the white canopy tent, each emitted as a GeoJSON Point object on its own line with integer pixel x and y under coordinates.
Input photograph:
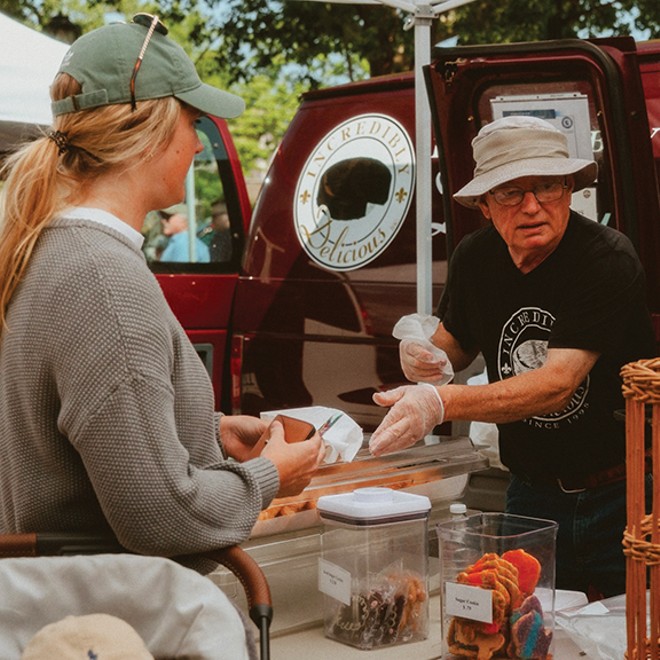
{"type": "Point", "coordinates": [421, 15]}
{"type": "Point", "coordinates": [29, 61]}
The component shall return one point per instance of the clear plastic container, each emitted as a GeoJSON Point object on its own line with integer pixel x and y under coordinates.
{"type": "Point", "coordinates": [497, 576]}
{"type": "Point", "coordinates": [373, 570]}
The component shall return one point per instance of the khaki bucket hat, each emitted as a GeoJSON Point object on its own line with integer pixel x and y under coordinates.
{"type": "Point", "coordinates": [518, 146]}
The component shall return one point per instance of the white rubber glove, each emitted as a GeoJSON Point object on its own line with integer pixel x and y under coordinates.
{"type": "Point", "coordinates": [415, 410]}
{"type": "Point", "coordinates": [421, 360]}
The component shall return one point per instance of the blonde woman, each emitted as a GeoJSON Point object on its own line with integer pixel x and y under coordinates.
{"type": "Point", "coordinates": [106, 411]}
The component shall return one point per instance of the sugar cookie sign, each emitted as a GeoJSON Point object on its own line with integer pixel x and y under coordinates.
{"type": "Point", "coordinates": [354, 192]}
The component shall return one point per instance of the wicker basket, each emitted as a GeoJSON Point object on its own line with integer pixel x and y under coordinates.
{"type": "Point", "coordinates": [641, 540]}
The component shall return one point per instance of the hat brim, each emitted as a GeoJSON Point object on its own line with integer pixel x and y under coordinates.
{"type": "Point", "coordinates": [583, 171]}
{"type": "Point", "coordinates": [213, 101]}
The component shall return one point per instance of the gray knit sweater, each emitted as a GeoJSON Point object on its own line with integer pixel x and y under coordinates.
{"type": "Point", "coordinates": [106, 411]}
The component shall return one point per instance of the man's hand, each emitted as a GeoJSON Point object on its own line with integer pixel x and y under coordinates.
{"type": "Point", "coordinates": [422, 362]}
{"type": "Point", "coordinates": [415, 410]}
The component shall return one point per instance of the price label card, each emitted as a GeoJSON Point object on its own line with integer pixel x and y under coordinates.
{"type": "Point", "coordinates": [469, 602]}
{"type": "Point", "coordinates": [335, 581]}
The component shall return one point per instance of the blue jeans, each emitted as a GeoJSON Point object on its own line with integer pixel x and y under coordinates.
{"type": "Point", "coordinates": [591, 523]}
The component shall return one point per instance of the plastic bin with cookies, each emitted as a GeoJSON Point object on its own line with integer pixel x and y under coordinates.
{"type": "Point", "coordinates": [497, 574]}
{"type": "Point", "coordinates": [373, 571]}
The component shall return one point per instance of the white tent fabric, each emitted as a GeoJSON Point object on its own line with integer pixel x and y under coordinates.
{"type": "Point", "coordinates": [29, 61]}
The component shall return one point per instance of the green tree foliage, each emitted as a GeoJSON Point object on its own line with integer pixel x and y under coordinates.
{"type": "Point", "coordinates": [485, 21]}
{"type": "Point", "coordinates": [324, 40]}
{"type": "Point", "coordinates": [253, 35]}
{"type": "Point", "coordinates": [84, 14]}
{"type": "Point", "coordinates": [302, 32]}
{"type": "Point", "coordinates": [269, 51]}
{"type": "Point", "coordinates": [269, 109]}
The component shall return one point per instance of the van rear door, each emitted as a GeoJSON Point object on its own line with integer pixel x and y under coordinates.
{"type": "Point", "coordinates": [595, 92]}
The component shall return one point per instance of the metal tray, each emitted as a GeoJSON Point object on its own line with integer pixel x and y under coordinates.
{"type": "Point", "coordinates": [425, 468]}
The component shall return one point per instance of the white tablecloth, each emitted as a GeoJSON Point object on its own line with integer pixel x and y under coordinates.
{"type": "Point", "coordinates": [312, 643]}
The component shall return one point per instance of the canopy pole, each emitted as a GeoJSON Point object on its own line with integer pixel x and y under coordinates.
{"type": "Point", "coordinates": [191, 203]}
{"type": "Point", "coordinates": [422, 20]}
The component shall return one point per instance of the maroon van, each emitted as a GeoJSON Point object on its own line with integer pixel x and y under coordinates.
{"type": "Point", "coordinates": [301, 311]}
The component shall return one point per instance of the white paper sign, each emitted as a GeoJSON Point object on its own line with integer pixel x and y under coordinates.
{"type": "Point", "coordinates": [469, 602]}
{"type": "Point", "coordinates": [334, 581]}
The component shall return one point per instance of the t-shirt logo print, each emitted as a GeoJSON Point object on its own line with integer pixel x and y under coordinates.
{"type": "Point", "coordinates": [524, 346]}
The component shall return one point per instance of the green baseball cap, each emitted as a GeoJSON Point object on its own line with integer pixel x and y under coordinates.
{"type": "Point", "coordinates": [105, 60]}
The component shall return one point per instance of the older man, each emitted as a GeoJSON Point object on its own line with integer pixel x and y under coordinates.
{"type": "Point", "coordinates": [556, 304]}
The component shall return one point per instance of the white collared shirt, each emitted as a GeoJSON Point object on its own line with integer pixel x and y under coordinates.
{"type": "Point", "coordinates": [105, 218]}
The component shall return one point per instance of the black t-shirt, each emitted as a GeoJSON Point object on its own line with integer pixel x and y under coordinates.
{"type": "Point", "coordinates": [588, 294]}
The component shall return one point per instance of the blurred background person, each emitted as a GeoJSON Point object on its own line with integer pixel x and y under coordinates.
{"type": "Point", "coordinates": [174, 221]}
{"type": "Point", "coordinates": [218, 233]}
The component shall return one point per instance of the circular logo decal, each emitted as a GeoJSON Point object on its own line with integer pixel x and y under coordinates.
{"type": "Point", "coordinates": [354, 192]}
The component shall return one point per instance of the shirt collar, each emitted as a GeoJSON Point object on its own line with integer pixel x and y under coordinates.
{"type": "Point", "coordinates": [107, 219]}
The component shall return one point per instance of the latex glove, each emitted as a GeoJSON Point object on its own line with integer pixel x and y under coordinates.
{"type": "Point", "coordinates": [421, 360]}
{"type": "Point", "coordinates": [415, 410]}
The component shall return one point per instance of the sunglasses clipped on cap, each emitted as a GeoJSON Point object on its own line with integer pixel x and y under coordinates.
{"type": "Point", "coordinates": [154, 24]}
{"type": "Point", "coordinates": [130, 62]}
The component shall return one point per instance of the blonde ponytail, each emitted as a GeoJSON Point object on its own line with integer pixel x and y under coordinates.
{"type": "Point", "coordinates": [51, 173]}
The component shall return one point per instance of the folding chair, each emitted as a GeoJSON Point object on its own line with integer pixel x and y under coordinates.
{"type": "Point", "coordinates": [239, 562]}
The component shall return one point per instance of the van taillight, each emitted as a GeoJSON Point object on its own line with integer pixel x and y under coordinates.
{"type": "Point", "coordinates": [236, 367]}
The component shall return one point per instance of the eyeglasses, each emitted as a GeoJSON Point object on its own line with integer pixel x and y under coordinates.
{"type": "Point", "coordinates": [548, 191]}
{"type": "Point", "coordinates": [154, 24]}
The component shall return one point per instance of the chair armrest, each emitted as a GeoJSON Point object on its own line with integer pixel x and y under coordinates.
{"type": "Point", "coordinates": [249, 573]}
{"type": "Point", "coordinates": [18, 545]}
{"type": "Point", "coordinates": [47, 544]}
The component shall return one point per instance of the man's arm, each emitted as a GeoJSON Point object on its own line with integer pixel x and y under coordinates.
{"type": "Point", "coordinates": [416, 409]}
{"type": "Point", "coordinates": [540, 391]}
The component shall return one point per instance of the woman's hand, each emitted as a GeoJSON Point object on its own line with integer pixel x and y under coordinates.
{"type": "Point", "coordinates": [239, 434]}
{"type": "Point", "coordinates": [296, 462]}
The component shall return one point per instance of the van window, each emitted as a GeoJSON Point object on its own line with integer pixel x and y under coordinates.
{"type": "Point", "coordinates": [205, 232]}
